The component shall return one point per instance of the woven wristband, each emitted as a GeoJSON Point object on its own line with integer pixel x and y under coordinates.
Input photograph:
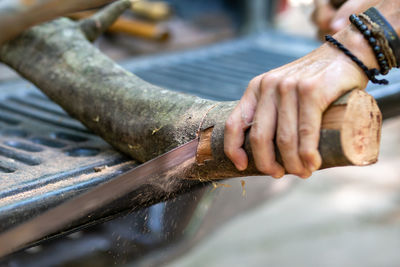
{"type": "Point", "coordinates": [390, 33]}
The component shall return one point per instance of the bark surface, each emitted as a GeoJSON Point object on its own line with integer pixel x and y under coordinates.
{"type": "Point", "coordinates": [143, 120]}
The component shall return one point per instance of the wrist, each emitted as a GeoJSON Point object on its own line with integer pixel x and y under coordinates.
{"type": "Point", "coordinates": [353, 40]}
{"type": "Point", "coordinates": [391, 11]}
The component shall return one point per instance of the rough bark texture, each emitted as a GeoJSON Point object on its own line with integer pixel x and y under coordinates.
{"type": "Point", "coordinates": [138, 118]}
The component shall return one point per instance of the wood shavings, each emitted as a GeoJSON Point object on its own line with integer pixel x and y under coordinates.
{"type": "Point", "coordinates": [156, 130]}
{"type": "Point", "coordinates": [100, 168]}
{"type": "Point", "coordinates": [243, 183]}
{"type": "Point", "coordinates": [218, 185]}
{"type": "Point", "coordinates": [133, 147]}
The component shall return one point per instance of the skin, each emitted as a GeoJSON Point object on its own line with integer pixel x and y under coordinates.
{"type": "Point", "coordinates": [286, 104]}
{"type": "Point", "coordinates": [330, 20]}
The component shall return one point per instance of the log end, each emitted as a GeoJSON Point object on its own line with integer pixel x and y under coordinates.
{"type": "Point", "coordinates": [361, 130]}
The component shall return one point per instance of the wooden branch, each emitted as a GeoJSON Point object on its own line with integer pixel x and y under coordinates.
{"type": "Point", "coordinates": [95, 25]}
{"type": "Point", "coordinates": [144, 121]}
{"type": "Point", "coordinates": [16, 16]}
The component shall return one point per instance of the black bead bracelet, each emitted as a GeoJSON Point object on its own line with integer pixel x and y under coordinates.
{"type": "Point", "coordinates": [371, 73]}
{"type": "Point", "coordinates": [388, 30]}
{"type": "Point", "coordinates": [364, 30]}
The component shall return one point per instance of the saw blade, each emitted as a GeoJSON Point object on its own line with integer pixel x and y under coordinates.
{"type": "Point", "coordinates": [55, 219]}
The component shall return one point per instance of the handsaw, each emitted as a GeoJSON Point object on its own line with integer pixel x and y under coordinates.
{"type": "Point", "coordinates": [55, 219]}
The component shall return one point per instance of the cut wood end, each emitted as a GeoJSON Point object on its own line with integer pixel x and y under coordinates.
{"type": "Point", "coordinates": [361, 129]}
{"type": "Point", "coordinates": [204, 149]}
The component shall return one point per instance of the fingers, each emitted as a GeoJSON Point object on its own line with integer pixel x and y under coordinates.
{"type": "Point", "coordinates": [287, 135]}
{"type": "Point", "coordinates": [262, 131]}
{"type": "Point", "coordinates": [310, 115]}
{"type": "Point", "coordinates": [237, 123]}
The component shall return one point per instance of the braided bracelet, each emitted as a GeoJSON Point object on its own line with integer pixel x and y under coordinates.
{"type": "Point", "coordinates": [390, 33]}
{"type": "Point", "coordinates": [366, 32]}
{"type": "Point", "coordinates": [371, 73]}
{"type": "Point", "coordinates": [381, 38]}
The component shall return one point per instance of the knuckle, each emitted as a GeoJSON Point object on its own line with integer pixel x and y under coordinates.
{"type": "Point", "coordinates": [268, 80]}
{"type": "Point", "coordinates": [265, 167]}
{"type": "Point", "coordinates": [284, 90]}
{"type": "Point", "coordinates": [256, 136]}
{"type": "Point", "coordinates": [307, 87]}
{"type": "Point", "coordinates": [284, 141]}
{"type": "Point", "coordinates": [230, 124]}
{"type": "Point", "coordinates": [286, 86]}
{"type": "Point", "coordinates": [253, 82]}
{"type": "Point", "coordinates": [270, 76]}
{"type": "Point", "coordinates": [306, 130]}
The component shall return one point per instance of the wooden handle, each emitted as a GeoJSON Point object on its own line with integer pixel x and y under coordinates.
{"type": "Point", "coordinates": [350, 134]}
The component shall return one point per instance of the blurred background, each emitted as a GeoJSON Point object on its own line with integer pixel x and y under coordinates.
{"type": "Point", "coordinates": [347, 216]}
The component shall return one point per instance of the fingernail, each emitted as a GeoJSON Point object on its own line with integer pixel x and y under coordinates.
{"type": "Point", "coordinates": [305, 176]}
{"type": "Point", "coordinates": [240, 167]}
{"type": "Point", "coordinates": [338, 24]}
{"type": "Point", "coordinates": [278, 175]}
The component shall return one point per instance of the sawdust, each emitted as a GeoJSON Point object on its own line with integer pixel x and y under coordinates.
{"type": "Point", "coordinates": [243, 183]}
{"type": "Point", "coordinates": [156, 130]}
{"type": "Point", "coordinates": [134, 147]}
{"type": "Point", "coordinates": [100, 168]}
{"type": "Point", "coordinates": [57, 186]}
{"type": "Point", "coordinates": [218, 185]}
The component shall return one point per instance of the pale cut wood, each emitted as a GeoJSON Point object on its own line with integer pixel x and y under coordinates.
{"type": "Point", "coordinates": [350, 135]}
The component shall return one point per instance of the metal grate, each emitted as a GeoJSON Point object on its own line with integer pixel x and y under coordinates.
{"type": "Point", "coordinates": [223, 71]}
{"type": "Point", "coordinates": [45, 156]}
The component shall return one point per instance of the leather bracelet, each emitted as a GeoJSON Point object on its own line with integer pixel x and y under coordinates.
{"type": "Point", "coordinates": [390, 33]}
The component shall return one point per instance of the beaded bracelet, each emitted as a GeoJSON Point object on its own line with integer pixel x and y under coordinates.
{"type": "Point", "coordinates": [366, 32]}
{"type": "Point", "coordinates": [390, 33]}
{"type": "Point", "coordinates": [371, 73]}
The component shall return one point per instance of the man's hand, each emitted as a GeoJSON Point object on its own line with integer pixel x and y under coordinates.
{"type": "Point", "coordinates": [286, 105]}
{"type": "Point", "coordinates": [330, 20]}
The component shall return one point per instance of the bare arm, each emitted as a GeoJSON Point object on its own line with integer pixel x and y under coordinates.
{"type": "Point", "coordinates": [286, 104]}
